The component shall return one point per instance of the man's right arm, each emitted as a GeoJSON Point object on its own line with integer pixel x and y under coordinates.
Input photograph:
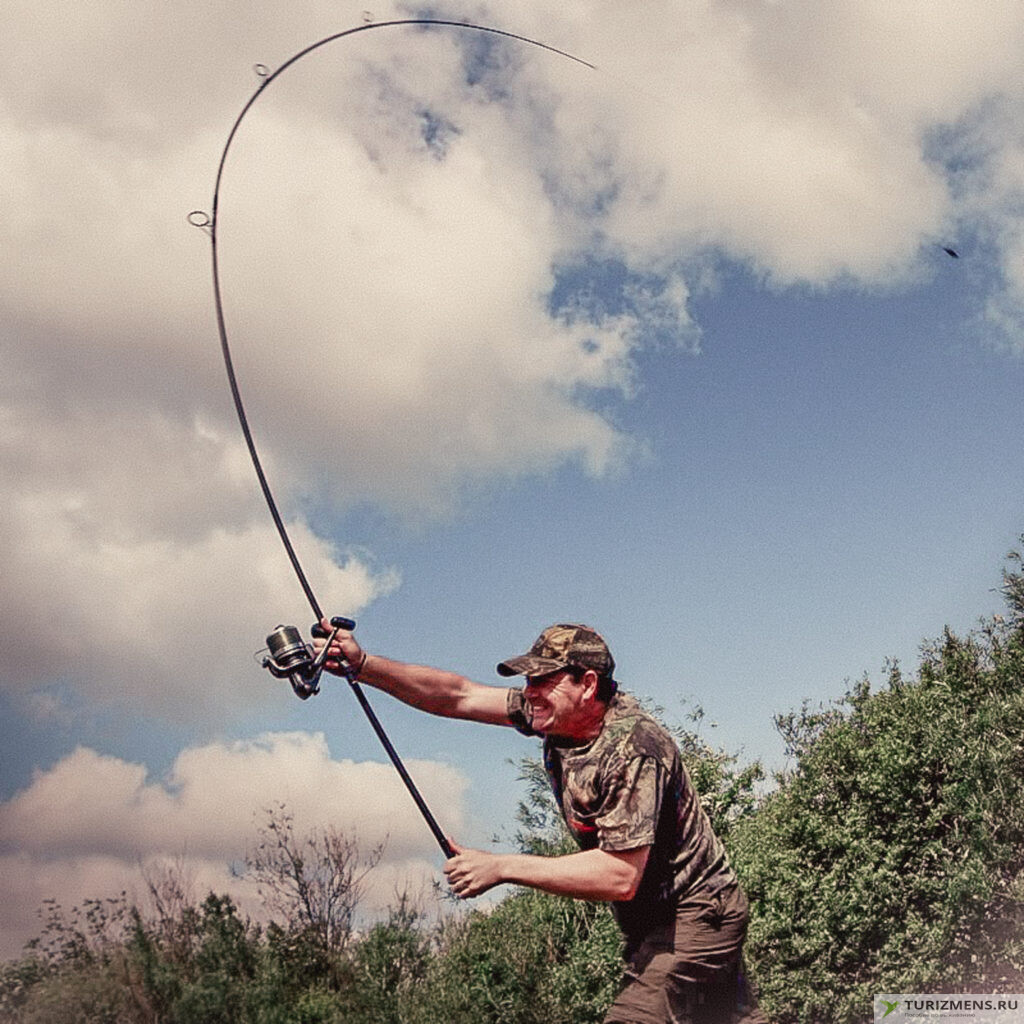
{"type": "Point", "coordinates": [433, 690]}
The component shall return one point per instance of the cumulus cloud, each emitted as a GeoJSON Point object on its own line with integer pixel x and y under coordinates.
{"type": "Point", "coordinates": [419, 301]}
{"type": "Point", "coordinates": [387, 302]}
{"type": "Point", "coordinates": [152, 618]}
{"type": "Point", "coordinates": [817, 144]}
{"type": "Point", "coordinates": [90, 826]}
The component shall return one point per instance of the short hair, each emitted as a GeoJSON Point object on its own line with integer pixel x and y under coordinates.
{"type": "Point", "coordinates": [607, 687]}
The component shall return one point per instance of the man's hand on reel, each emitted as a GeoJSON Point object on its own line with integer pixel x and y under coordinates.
{"type": "Point", "coordinates": [344, 655]}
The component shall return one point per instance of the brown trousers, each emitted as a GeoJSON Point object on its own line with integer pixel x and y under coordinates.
{"type": "Point", "coordinates": [688, 971]}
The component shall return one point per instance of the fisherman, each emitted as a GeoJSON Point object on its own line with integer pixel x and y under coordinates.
{"type": "Point", "coordinates": [646, 845]}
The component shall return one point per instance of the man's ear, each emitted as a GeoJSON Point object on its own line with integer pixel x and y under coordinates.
{"type": "Point", "coordinates": [590, 679]}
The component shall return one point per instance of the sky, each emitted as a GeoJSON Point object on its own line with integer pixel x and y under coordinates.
{"type": "Point", "coordinates": [671, 346]}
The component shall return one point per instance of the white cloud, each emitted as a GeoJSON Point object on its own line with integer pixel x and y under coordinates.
{"type": "Point", "coordinates": [164, 618]}
{"type": "Point", "coordinates": [87, 827]}
{"type": "Point", "coordinates": [398, 299]}
{"type": "Point", "coordinates": [386, 310]}
{"type": "Point", "coordinates": [993, 187]}
{"type": "Point", "coordinates": [802, 138]}
{"type": "Point", "coordinates": [391, 236]}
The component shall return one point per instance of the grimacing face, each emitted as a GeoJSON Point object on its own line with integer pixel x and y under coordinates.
{"type": "Point", "coordinates": [556, 701]}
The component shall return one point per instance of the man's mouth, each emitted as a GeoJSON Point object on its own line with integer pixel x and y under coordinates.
{"type": "Point", "coordinates": [539, 711]}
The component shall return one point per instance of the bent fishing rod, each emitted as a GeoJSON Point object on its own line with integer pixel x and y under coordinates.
{"type": "Point", "coordinates": [289, 656]}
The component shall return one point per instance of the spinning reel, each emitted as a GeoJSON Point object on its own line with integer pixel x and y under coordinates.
{"type": "Point", "coordinates": [292, 658]}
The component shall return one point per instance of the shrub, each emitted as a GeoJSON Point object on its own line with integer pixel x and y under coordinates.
{"type": "Point", "coordinates": [890, 857]}
{"type": "Point", "coordinates": [534, 959]}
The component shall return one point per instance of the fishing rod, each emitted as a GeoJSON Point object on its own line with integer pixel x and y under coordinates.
{"type": "Point", "coordinates": [289, 655]}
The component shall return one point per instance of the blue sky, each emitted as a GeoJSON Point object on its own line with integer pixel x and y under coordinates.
{"type": "Point", "coordinates": [829, 483]}
{"type": "Point", "coordinates": [672, 348]}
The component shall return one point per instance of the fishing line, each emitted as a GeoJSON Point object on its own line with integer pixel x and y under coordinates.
{"type": "Point", "coordinates": [289, 656]}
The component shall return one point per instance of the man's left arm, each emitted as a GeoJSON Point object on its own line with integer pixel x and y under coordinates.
{"type": "Point", "coordinates": [588, 875]}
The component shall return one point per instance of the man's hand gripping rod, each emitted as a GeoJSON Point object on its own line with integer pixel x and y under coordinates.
{"type": "Point", "coordinates": [292, 658]}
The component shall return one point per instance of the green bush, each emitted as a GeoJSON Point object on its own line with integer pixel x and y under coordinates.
{"type": "Point", "coordinates": [93, 994]}
{"type": "Point", "coordinates": [211, 980]}
{"type": "Point", "coordinates": [890, 857]}
{"type": "Point", "coordinates": [76, 971]}
{"type": "Point", "coordinates": [386, 967]}
{"type": "Point", "coordinates": [533, 959]}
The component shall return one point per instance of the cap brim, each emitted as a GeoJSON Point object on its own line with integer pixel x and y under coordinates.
{"type": "Point", "coordinates": [529, 665]}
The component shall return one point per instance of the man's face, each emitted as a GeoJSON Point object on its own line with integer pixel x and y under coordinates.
{"type": "Point", "coordinates": [555, 701]}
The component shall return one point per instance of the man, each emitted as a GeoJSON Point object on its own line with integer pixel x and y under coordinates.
{"type": "Point", "coordinates": [646, 845]}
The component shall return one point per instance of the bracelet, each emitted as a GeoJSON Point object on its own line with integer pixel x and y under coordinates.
{"type": "Point", "coordinates": [362, 664]}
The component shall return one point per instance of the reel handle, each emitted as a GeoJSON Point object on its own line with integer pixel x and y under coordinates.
{"type": "Point", "coordinates": [338, 622]}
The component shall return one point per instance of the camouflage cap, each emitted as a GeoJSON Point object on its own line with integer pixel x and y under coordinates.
{"type": "Point", "coordinates": [565, 645]}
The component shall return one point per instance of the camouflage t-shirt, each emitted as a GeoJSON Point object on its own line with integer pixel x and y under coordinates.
{"type": "Point", "coordinates": [628, 788]}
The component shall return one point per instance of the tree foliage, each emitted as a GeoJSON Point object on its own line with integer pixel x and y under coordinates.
{"type": "Point", "coordinates": [76, 970]}
{"type": "Point", "coordinates": [534, 959]}
{"type": "Point", "coordinates": [890, 858]}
